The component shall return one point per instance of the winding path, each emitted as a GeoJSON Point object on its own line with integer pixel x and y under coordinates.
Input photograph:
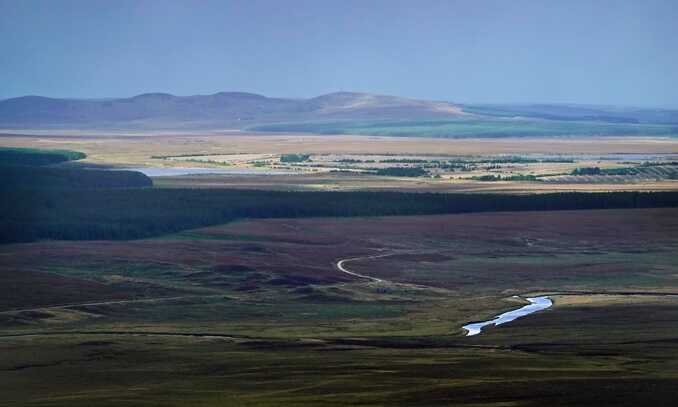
{"type": "Point", "coordinates": [340, 266]}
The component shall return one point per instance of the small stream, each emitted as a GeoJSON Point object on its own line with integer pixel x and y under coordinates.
{"type": "Point", "coordinates": [536, 304]}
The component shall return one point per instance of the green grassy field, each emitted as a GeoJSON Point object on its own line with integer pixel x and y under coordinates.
{"type": "Point", "coordinates": [460, 128]}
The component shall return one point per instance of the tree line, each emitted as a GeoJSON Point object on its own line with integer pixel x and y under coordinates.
{"type": "Point", "coordinates": [50, 177]}
{"type": "Point", "coordinates": [32, 156]}
{"type": "Point", "coordinates": [72, 214]}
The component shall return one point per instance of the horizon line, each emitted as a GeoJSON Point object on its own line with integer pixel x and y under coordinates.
{"type": "Point", "coordinates": [482, 103]}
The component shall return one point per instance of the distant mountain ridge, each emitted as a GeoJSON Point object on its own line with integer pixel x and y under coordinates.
{"type": "Point", "coordinates": [227, 109]}
{"type": "Point", "coordinates": [239, 110]}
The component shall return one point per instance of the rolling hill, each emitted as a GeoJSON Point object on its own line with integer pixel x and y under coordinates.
{"type": "Point", "coordinates": [334, 113]}
{"type": "Point", "coordinates": [219, 110]}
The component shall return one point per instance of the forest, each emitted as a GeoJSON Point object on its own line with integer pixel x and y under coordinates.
{"type": "Point", "coordinates": [29, 214]}
{"type": "Point", "coordinates": [50, 177]}
{"type": "Point", "coordinates": [32, 156]}
{"type": "Point", "coordinates": [35, 168]}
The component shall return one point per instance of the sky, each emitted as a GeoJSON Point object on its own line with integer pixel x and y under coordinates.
{"type": "Point", "coordinates": [614, 52]}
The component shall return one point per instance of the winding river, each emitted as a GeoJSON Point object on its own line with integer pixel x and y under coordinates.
{"type": "Point", "coordinates": [536, 304]}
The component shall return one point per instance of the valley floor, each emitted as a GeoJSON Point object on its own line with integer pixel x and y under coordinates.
{"type": "Point", "coordinates": [251, 160]}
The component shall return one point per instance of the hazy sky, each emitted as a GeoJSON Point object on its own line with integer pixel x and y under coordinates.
{"type": "Point", "coordinates": [604, 52]}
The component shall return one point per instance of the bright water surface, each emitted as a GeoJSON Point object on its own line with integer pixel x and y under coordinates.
{"type": "Point", "coordinates": [177, 171]}
{"type": "Point", "coordinates": [536, 304]}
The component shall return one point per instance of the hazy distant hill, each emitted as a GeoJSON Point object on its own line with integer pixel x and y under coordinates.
{"type": "Point", "coordinates": [334, 113]}
{"type": "Point", "coordinates": [569, 112]}
{"type": "Point", "coordinates": [365, 105]}
{"type": "Point", "coordinates": [224, 109]}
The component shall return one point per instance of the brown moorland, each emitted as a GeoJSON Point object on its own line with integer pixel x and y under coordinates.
{"type": "Point", "coordinates": [256, 313]}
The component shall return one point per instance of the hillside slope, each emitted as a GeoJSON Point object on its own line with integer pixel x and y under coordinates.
{"type": "Point", "coordinates": [223, 109]}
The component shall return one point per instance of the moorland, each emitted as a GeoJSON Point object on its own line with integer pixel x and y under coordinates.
{"type": "Point", "coordinates": [219, 268]}
{"type": "Point", "coordinates": [256, 313]}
